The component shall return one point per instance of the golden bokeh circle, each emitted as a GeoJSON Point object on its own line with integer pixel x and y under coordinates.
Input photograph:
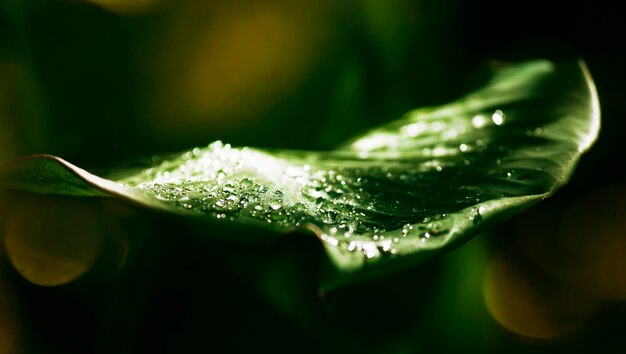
{"type": "Point", "coordinates": [52, 241]}
{"type": "Point", "coordinates": [528, 303]}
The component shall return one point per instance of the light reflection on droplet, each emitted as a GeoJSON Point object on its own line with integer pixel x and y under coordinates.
{"type": "Point", "coordinates": [479, 121]}
{"type": "Point", "coordinates": [52, 241]}
{"type": "Point", "coordinates": [376, 141]}
{"type": "Point", "coordinates": [497, 117]}
{"type": "Point", "coordinates": [370, 250]}
{"type": "Point", "coordinates": [530, 305]}
{"type": "Point", "coordinates": [439, 151]}
{"type": "Point", "coordinates": [463, 147]}
{"type": "Point", "coordinates": [437, 126]}
{"type": "Point", "coordinates": [414, 129]}
{"type": "Point", "coordinates": [450, 134]}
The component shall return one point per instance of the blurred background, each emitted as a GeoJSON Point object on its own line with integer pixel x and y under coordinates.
{"type": "Point", "coordinates": [104, 82]}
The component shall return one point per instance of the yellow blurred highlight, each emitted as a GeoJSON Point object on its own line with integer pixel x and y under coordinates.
{"type": "Point", "coordinates": [593, 238]}
{"type": "Point", "coordinates": [583, 245]}
{"type": "Point", "coordinates": [229, 62]}
{"type": "Point", "coordinates": [126, 6]}
{"type": "Point", "coordinates": [52, 241]}
{"type": "Point", "coordinates": [9, 319]}
{"type": "Point", "coordinates": [529, 304]}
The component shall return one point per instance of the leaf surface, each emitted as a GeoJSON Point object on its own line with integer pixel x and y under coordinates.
{"type": "Point", "coordinates": [389, 198]}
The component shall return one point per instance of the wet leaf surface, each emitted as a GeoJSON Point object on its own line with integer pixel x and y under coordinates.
{"type": "Point", "coordinates": [389, 198]}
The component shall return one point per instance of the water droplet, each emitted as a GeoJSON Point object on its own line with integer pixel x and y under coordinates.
{"type": "Point", "coordinates": [414, 129]}
{"type": "Point", "coordinates": [246, 182]}
{"type": "Point", "coordinates": [475, 214]}
{"type": "Point", "coordinates": [479, 121]}
{"type": "Point", "coordinates": [497, 117]}
{"type": "Point", "coordinates": [370, 250]}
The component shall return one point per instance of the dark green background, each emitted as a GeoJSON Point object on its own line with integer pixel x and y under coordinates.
{"type": "Point", "coordinates": [88, 99]}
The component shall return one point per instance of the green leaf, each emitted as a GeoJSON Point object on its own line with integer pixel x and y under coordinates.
{"type": "Point", "coordinates": [389, 198]}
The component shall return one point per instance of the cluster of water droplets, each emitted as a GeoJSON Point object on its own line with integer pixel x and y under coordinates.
{"type": "Point", "coordinates": [364, 199]}
{"type": "Point", "coordinates": [229, 184]}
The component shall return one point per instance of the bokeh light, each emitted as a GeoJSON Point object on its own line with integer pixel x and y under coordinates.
{"type": "Point", "coordinates": [581, 244]}
{"type": "Point", "coordinates": [593, 238]}
{"type": "Point", "coordinates": [52, 241]}
{"type": "Point", "coordinates": [227, 63]}
{"type": "Point", "coordinates": [530, 304]}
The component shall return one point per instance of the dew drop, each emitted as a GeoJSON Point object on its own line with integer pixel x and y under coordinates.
{"type": "Point", "coordinates": [479, 121]}
{"type": "Point", "coordinates": [497, 117]}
